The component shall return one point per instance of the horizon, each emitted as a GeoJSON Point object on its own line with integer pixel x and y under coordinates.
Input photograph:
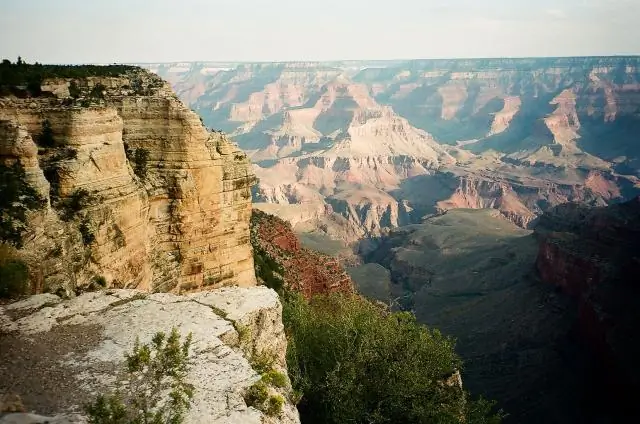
{"type": "Point", "coordinates": [132, 31]}
{"type": "Point", "coordinates": [611, 56]}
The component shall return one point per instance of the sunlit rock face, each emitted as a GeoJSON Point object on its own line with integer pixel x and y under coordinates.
{"type": "Point", "coordinates": [166, 203]}
{"type": "Point", "coordinates": [57, 355]}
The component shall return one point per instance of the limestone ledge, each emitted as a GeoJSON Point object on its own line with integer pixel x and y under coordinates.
{"type": "Point", "coordinates": [84, 340]}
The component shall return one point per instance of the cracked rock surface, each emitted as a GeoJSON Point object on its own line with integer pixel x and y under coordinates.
{"type": "Point", "coordinates": [57, 355]}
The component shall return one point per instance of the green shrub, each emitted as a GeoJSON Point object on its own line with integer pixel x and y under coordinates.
{"type": "Point", "coordinates": [262, 362]}
{"type": "Point", "coordinates": [257, 395]}
{"type": "Point", "coordinates": [275, 378]}
{"type": "Point", "coordinates": [74, 90]}
{"type": "Point", "coordinates": [244, 332]}
{"type": "Point", "coordinates": [100, 281]}
{"type": "Point", "coordinates": [16, 198]}
{"type": "Point", "coordinates": [274, 405]}
{"type": "Point", "coordinates": [14, 274]}
{"type": "Point", "coordinates": [86, 232]}
{"type": "Point", "coordinates": [77, 201]}
{"type": "Point", "coordinates": [15, 76]}
{"type": "Point", "coordinates": [140, 160]}
{"type": "Point", "coordinates": [45, 139]}
{"type": "Point", "coordinates": [355, 362]}
{"type": "Point", "coordinates": [267, 269]}
{"type": "Point", "coordinates": [97, 92]}
{"type": "Point", "coordinates": [151, 371]}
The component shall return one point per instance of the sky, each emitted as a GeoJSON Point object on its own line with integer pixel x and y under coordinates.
{"type": "Point", "coordinates": [135, 31]}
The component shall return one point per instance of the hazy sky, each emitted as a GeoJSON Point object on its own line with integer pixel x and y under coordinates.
{"type": "Point", "coordinates": [76, 31]}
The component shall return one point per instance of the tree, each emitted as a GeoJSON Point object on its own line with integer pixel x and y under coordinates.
{"type": "Point", "coordinates": [46, 136]}
{"type": "Point", "coordinates": [152, 370]}
{"type": "Point", "coordinates": [355, 362]}
{"type": "Point", "coordinates": [14, 274]}
{"type": "Point", "coordinates": [17, 197]}
{"type": "Point", "coordinates": [74, 90]}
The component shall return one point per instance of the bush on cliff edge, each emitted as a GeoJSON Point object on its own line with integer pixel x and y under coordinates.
{"type": "Point", "coordinates": [355, 362]}
{"type": "Point", "coordinates": [14, 274]}
{"type": "Point", "coordinates": [153, 389]}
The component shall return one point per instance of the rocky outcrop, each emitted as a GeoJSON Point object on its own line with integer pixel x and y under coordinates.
{"type": "Point", "coordinates": [57, 355]}
{"type": "Point", "coordinates": [138, 192]}
{"type": "Point", "coordinates": [303, 270]}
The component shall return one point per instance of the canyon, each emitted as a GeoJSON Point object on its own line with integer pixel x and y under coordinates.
{"type": "Point", "coordinates": [444, 186]}
{"type": "Point", "coordinates": [357, 148]}
{"type": "Point", "coordinates": [486, 196]}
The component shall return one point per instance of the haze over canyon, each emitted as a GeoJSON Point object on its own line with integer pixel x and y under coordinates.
{"type": "Point", "coordinates": [313, 223]}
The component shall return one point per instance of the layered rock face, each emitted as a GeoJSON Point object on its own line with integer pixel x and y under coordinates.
{"type": "Point", "coordinates": [58, 355]}
{"type": "Point", "coordinates": [137, 190]}
{"type": "Point", "coordinates": [521, 135]}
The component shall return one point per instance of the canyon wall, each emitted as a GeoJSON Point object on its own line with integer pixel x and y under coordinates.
{"type": "Point", "coordinates": [300, 269]}
{"type": "Point", "coordinates": [593, 256]}
{"type": "Point", "coordinates": [138, 194]}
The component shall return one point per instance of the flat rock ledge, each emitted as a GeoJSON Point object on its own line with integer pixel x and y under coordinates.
{"type": "Point", "coordinates": [56, 354]}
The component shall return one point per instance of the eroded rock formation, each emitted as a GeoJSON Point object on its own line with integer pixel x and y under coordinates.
{"type": "Point", "coordinates": [137, 191]}
{"type": "Point", "coordinates": [521, 135]}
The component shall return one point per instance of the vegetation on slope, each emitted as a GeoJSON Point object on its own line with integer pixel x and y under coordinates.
{"type": "Point", "coordinates": [277, 247]}
{"type": "Point", "coordinates": [353, 361]}
{"type": "Point", "coordinates": [16, 198]}
{"type": "Point", "coordinates": [14, 274]}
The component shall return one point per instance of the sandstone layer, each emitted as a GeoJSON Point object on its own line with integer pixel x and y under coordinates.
{"type": "Point", "coordinates": [137, 191]}
{"type": "Point", "coordinates": [57, 355]}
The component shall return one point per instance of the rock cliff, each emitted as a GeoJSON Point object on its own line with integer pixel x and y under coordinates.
{"type": "Point", "coordinates": [138, 193]}
{"type": "Point", "coordinates": [593, 255]}
{"type": "Point", "coordinates": [302, 269]}
{"type": "Point", "coordinates": [58, 355]}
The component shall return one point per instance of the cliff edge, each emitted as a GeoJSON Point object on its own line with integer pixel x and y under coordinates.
{"type": "Point", "coordinates": [58, 355]}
